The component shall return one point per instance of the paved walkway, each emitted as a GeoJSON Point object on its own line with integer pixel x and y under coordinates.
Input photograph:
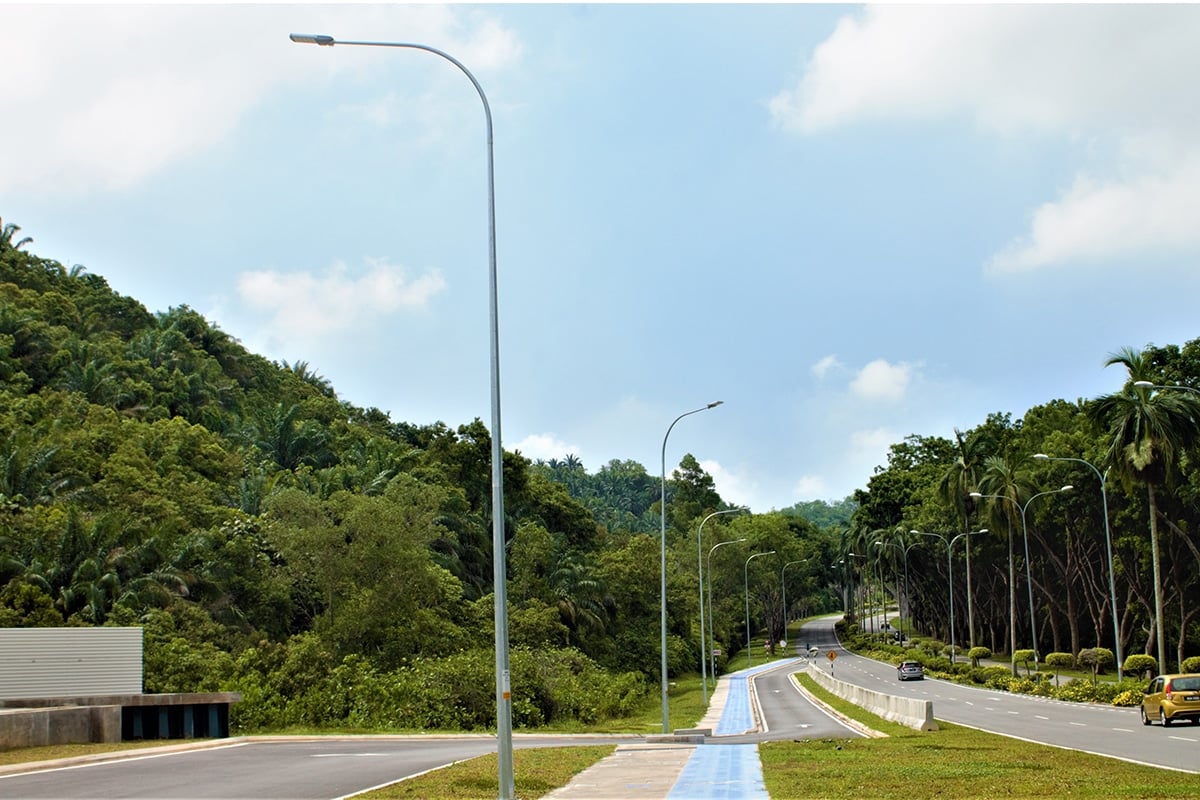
{"type": "Point", "coordinates": [680, 770]}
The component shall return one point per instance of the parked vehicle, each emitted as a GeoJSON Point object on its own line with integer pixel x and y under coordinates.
{"type": "Point", "coordinates": [1172, 697]}
{"type": "Point", "coordinates": [910, 670]}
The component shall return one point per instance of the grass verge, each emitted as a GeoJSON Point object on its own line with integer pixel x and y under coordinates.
{"type": "Point", "coordinates": [536, 772]}
{"type": "Point", "coordinates": [953, 762]}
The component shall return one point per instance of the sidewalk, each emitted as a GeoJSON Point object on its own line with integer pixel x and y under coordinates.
{"type": "Point", "coordinates": [661, 769]}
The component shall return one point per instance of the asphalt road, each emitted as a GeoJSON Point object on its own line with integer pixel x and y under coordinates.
{"type": "Point", "coordinates": [1102, 729]}
{"type": "Point", "coordinates": [298, 769]}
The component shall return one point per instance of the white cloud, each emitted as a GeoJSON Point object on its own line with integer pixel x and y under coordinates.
{"type": "Point", "coordinates": [545, 446]}
{"type": "Point", "coordinates": [111, 94]}
{"type": "Point", "coordinates": [826, 364]}
{"type": "Point", "coordinates": [1099, 220]}
{"type": "Point", "coordinates": [734, 487]}
{"type": "Point", "coordinates": [811, 487]}
{"type": "Point", "coordinates": [880, 380]}
{"type": "Point", "coordinates": [1109, 78]}
{"type": "Point", "coordinates": [306, 305]}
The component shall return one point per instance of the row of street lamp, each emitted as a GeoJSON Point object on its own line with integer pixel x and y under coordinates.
{"type": "Point", "coordinates": [503, 693]}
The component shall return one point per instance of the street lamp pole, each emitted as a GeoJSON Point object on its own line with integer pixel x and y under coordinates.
{"type": "Point", "coordinates": [700, 567]}
{"type": "Point", "coordinates": [1112, 581]}
{"type": "Point", "coordinates": [899, 601]}
{"type": "Point", "coordinates": [746, 570]}
{"type": "Point", "coordinates": [1028, 572]}
{"type": "Point", "coordinates": [950, 577]}
{"type": "Point", "coordinates": [504, 754]}
{"type": "Point", "coordinates": [712, 642]}
{"type": "Point", "coordinates": [783, 587]}
{"type": "Point", "coordinates": [662, 597]}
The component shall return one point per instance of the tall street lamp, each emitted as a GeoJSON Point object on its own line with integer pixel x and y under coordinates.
{"type": "Point", "coordinates": [1028, 573]}
{"type": "Point", "coordinates": [949, 542]}
{"type": "Point", "coordinates": [904, 552]}
{"type": "Point", "coordinates": [783, 587]}
{"type": "Point", "coordinates": [662, 597]}
{"type": "Point", "coordinates": [712, 642]}
{"type": "Point", "coordinates": [746, 570]}
{"type": "Point", "coordinates": [507, 788]}
{"type": "Point", "coordinates": [700, 567]}
{"type": "Point", "coordinates": [1112, 581]}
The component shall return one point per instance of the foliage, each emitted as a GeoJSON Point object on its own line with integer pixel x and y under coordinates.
{"type": "Point", "coordinates": [1140, 664]}
{"type": "Point", "coordinates": [978, 653]}
{"type": "Point", "coordinates": [1024, 657]}
{"type": "Point", "coordinates": [1191, 664]}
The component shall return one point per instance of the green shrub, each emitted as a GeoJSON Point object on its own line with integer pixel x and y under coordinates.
{"type": "Point", "coordinates": [1141, 665]}
{"type": "Point", "coordinates": [986, 675]}
{"type": "Point", "coordinates": [978, 653]}
{"type": "Point", "coordinates": [1059, 661]}
{"type": "Point", "coordinates": [1096, 659]}
{"type": "Point", "coordinates": [1191, 664]}
{"type": "Point", "coordinates": [1128, 697]}
{"type": "Point", "coordinates": [1025, 658]}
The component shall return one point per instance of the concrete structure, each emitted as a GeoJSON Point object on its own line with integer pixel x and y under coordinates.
{"type": "Point", "coordinates": [81, 685]}
{"type": "Point", "coordinates": [61, 662]}
{"type": "Point", "coordinates": [916, 714]}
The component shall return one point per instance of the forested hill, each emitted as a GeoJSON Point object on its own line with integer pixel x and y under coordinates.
{"type": "Point", "coordinates": [155, 472]}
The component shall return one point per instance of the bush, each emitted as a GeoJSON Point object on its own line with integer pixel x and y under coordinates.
{"type": "Point", "coordinates": [977, 653]}
{"type": "Point", "coordinates": [1096, 659]}
{"type": "Point", "coordinates": [1191, 664]}
{"type": "Point", "coordinates": [985, 675]}
{"type": "Point", "coordinates": [1025, 658]}
{"type": "Point", "coordinates": [1059, 661]}
{"type": "Point", "coordinates": [1141, 665]}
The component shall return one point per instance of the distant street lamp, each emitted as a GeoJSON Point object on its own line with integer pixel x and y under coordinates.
{"type": "Point", "coordinates": [712, 642]}
{"type": "Point", "coordinates": [783, 587]}
{"type": "Point", "coordinates": [662, 597]}
{"type": "Point", "coordinates": [749, 649]}
{"type": "Point", "coordinates": [904, 551]}
{"type": "Point", "coordinates": [504, 755]}
{"type": "Point", "coordinates": [949, 542]}
{"type": "Point", "coordinates": [1028, 573]}
{"type": "Point", "coordinates": [1112, 581]}
{"type": "Point", "coordinates": [700, 567]}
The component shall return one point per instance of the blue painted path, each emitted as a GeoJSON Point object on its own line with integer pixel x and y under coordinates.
{"type": "Point", "coordinates": [727, 771]}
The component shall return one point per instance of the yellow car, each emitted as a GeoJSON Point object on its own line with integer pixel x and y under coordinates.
{"type": "Point", "coordinates": [1172, 697]}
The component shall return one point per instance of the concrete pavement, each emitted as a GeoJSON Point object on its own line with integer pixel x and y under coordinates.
{"type": "Point", "coordinates": [680, 768]}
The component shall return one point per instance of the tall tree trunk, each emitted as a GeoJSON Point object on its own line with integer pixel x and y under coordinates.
{"type": "Point", "coordinates": [1158, 596]}
{"type": "Point", "coordinates": [1012, 602]}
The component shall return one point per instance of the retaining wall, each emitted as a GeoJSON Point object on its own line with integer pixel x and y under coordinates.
{"type": "Point", "coordinates": [916, 714]}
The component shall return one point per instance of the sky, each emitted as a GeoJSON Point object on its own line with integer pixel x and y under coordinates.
{"type": "Point", "coordinates": [848, 223]}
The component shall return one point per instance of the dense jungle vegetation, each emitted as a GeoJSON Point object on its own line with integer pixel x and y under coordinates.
{"type": "Point", "coordinates": [335, 566]}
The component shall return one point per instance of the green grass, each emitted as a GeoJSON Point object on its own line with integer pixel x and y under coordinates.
{"type": "Point", "coordinates": [536, 772]}
{"type": "Point", "coordinates": [952, 762]}
{"type": "Point", "coordinates": [26, 755]}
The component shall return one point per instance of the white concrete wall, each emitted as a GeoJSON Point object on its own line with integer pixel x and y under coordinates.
{"type": "Point", "coordinates": [917, 714]}
{"type": "Point", "coordinates": [69, 662]}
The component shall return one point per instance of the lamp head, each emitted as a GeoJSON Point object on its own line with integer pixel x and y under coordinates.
{"type": "Point", "coordinates": [1067, 488]}
{"type": "Point", "coordinates": [1144, 384]}
{"type": "Point", "coordinates": [312, 38]}
{"type": "Point", "coordinates": [715, 404]}
{"type": "Point", "coordinates": [976, 495]}
{"type": "Point", "coordinates": [1040, 455]}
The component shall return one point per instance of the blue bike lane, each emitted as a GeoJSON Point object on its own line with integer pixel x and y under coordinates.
{"type": "Point", "coordinates": [728, 771]}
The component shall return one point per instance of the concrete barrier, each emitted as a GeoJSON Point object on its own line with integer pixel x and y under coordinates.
{"type": "Point", "coordinates": [39, 727]}
{"type": "Point", "coordinates": [916, 714]}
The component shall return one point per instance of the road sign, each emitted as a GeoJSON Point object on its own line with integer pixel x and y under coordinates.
{"type": "Point", "coordinates": [716, 651]}
{"type": "Point", "coordinates": [831, 655]}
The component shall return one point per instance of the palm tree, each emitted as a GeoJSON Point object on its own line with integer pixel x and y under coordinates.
{"type": "Point", "coordinates": [1148, 429]}
{"type": "Point", "coordinates": [955, 488]}
{"type": "Point", "coordinates": [1001, 480]}
{"type": "Point", "coordinates": [8, 237]}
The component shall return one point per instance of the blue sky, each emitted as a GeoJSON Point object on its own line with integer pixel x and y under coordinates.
{"type": "Point", "coordinates": [849, 223]}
